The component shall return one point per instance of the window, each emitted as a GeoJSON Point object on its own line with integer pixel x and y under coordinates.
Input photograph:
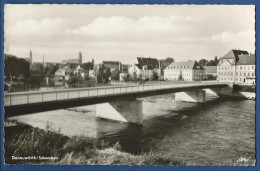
{"type": "Point", "coordinates": [253, 74]}
{"type": "Point", "coordinates": [241, 67]}
{"type": "Point", "coordinates": [248, 74]}
{"type": "Point", "coordinates": [244, 73]}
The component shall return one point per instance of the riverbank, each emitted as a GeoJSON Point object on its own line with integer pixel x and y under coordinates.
{"type": "Point", "coordinates": [27, 145]}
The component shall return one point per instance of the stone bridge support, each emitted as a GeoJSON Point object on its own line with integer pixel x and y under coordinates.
{"type": "Point", "coordinates": [191, 96]}
{"type": "Point", "coordinates": [228, 91]}
{"type": "Point", "coordinates": [199, 96]}
{"type": "Point", "coordinates": [123, 111]}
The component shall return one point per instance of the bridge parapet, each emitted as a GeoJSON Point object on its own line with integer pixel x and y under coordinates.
{"type": "Point", "coordinates": [22, 98]}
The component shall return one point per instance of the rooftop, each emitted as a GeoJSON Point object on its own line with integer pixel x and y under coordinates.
{"type": "Point", "coordinates": [248, 59]}
{"type": "Point", "coordinates": [148, 61]}
{"type": "Point", "coordinates": [233, 54]}
{"type": "Point", "coordinates": [184, 65]}
{"type": "Point", "coordinates": [71, 61]}
{"type": "Point", "coordinates": [210, 69]}
{"type": "Point", "coordinates": [111, 62]}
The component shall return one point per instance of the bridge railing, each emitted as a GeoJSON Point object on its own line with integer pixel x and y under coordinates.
{"type": "Point", "coordinates": [22, 98]}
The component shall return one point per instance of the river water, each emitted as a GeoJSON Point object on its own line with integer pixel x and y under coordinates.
{"type": "Point", "coordinates": [219, 132]}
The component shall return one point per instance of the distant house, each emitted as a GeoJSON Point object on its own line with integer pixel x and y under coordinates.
{"type": "Point", "coordinates": [211, 72]}
{"type": "Point", "coordinates": [112, 64]}
{"type": "Point", "coordinates": [116, 68]}
{"type": "Point", "coordinates": [91, 73]}
{"type": "Point", "coordinates": [145, 67]}
{"type": "Point", "coordinates": [124, 68]}
{"type": "Point", "coordinates": [63, 72]}
{"type": "Point", "coordinates": [136, 68]}
{"type": "Point", "coordinates": [77, 70]}
{"type": "Point", "coordinates": [185, 71]}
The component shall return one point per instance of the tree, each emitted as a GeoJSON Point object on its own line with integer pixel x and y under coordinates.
{"type": "Point", "coordinates": [50, 69]}
{"type": "Point", "coordinates": [216, 59]}
{"type": "Point", "coordinates": [75, 80]}
{"type": "Point", "coordinates": [155, 75]}
{"type": "Point", "coordinates": [115, 74]}
{"type": "Point", "coordinates": [87, 66]}
{"type": "Point", "coordinates": [16, 68]}
{"type": "Point", "coordinates": [166, 62]}
{"type": "Point", "coordinates": [36, 68]}
{"type": "Point", "coordinates": [126, 78]}
{"type": "Point", "coordinates": [134, 77]}
{"type": "Point", "coordinates": [211, 63]}
{"type": "Point", "coordinates": [103, 74]}
{"type": "Point", "coordinates": [180, 77]}
{"type": "Point", "coordinates": [203, 62]}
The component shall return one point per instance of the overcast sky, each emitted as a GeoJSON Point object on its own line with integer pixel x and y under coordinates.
{"type": "Point", "coordinates": [123, 32]}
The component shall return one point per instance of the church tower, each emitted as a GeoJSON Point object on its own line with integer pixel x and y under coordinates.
{"type": "Point", "coordinates": [30, 56]}
{"type": "Point", "coordinates": [80, 58]}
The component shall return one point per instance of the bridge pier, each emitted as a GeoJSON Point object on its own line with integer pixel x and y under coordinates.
{"type": "Point", "coordinates": [228, 91]}
{"type": "Point", "coordinates": [191, 96]}
{"type": "Point", "coordinates": [123, 111]}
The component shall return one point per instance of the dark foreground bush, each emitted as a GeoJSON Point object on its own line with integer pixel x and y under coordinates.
{"type": "Point", "coordinates": [23, 140]}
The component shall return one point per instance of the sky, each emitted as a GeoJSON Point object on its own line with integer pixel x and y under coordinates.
{"type": "Point", "coordinates": [124, 32]}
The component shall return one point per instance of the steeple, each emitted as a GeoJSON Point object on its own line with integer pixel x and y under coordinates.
{"type": "Point", "coordinates": [80, 57]}
{"type": "Point", "coordinates": [30, 55]}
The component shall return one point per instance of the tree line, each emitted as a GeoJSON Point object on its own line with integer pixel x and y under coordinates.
{"type": "Point", "coordinates": [204, 62]}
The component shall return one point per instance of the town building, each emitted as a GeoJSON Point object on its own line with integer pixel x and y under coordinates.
{"type": "Point", "coordinates": [144, 68]}
{"type": "Point", "coordinates": [63, 73]}
{"type": "Point", "coordinates": [210, 72]}
{"type": "Point", "coordinates": [116, 68]}
{"type": "Point", "coordinates": [237, 66]}
{"type": "Point", "coordinates": [73, 61]}
{"type": "Point", "coordinates": [184, 71]}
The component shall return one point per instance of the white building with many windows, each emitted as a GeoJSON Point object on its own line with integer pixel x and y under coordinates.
{"type": "Point", "coordinates": [185, 71]}
{"type": "Point", "coordinates": [237, 66]}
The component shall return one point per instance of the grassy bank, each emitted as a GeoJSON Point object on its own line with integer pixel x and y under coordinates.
{"type": "Point", "coordinates": [23, 140]}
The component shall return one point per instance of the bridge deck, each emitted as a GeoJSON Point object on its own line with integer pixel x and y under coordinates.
{"type": "Point", "coordinates": [33, 97]}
